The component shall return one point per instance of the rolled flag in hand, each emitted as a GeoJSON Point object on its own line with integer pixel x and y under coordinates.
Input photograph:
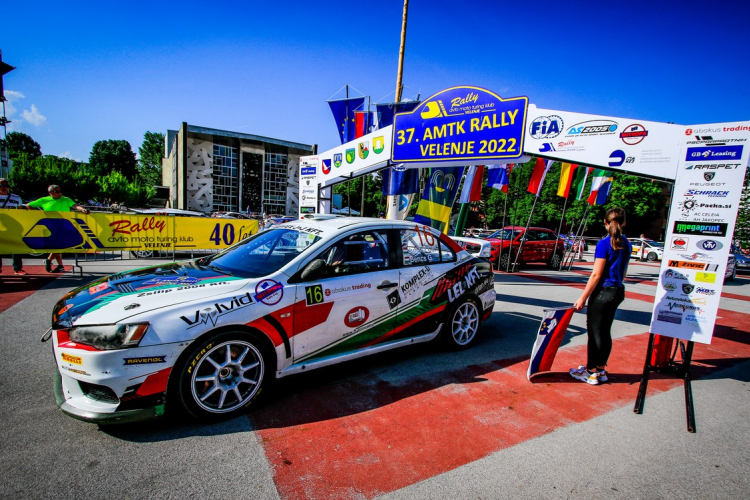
{"type": "Point", "coordinates": [551, 332]}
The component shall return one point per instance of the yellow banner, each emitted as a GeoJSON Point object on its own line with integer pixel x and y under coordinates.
{"type": "Point", "coordinates": [35, 231]}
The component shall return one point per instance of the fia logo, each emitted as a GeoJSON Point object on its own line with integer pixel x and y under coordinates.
{"type": "Point", "coordinates": [546, 127]}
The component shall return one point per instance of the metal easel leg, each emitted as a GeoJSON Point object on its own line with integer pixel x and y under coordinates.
{"type": "Point", "coordinates": [640, 400]}
{"type": "Point", "coordinates": [687, 357]}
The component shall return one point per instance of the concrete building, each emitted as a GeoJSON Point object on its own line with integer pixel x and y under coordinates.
{"type": "Point", "coordinates": [210, 170]}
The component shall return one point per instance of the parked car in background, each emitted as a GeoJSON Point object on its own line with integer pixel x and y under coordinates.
{"type": "Point", "coordinates": [742, 259]}
{"type": "Point", "coordinates": [231, 215]}
{"type": "Point", "coordinates": [475, 246]}
{"type": "Point", "coordinates": [652, 250]}
{"type": "Point", "coordinates": [541, 245]}
{"type": "Point", "coordinates": [731, 271]}
{"type": "Point", "coordinates": [172, 212]}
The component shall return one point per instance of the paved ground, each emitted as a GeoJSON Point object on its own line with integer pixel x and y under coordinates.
{"type": "Point", "coordinates": [416, 423]}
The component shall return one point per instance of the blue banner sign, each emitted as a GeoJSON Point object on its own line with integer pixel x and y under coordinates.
{"type": "Point", "coordinates": [461, 123]}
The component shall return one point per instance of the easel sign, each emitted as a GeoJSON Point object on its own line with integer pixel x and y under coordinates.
{"type": "Point", "coordinates": [703, 212]}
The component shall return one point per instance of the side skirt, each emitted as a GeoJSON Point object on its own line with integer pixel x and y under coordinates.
{"type": "Point", "coordinates": [332, 360]}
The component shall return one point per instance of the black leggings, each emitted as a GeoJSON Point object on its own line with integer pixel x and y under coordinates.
{"type": "Point", "coordinates": [599, 317]}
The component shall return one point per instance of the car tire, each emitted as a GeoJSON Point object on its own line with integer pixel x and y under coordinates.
{"type": "Point", "coordinates": [142, 254]}
{"type": "Point", "coordinates": [651, 257]}
{"type": "Point", "coordinates": [503, 261]}
{"type": "Point", "coordinates": [555, 262]}
{"type": "Point", "coordinates": [734, 274]}
{"type": "Point", "coordinates": [461, 324]}
{"type": "Point", "coordinates": [223, 375]}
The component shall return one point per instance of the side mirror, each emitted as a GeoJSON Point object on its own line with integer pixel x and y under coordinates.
{"type": "Point", "coordinates": [314, 270]}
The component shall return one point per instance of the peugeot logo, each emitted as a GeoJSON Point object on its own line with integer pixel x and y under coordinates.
{"type": "Point", "coordinates": [709, 176]}
{"type": "Point", "coordinates": [687, 289]}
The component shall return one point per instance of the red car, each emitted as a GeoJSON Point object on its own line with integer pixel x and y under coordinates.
{"type": "Point", "coordinates": [541, 245]}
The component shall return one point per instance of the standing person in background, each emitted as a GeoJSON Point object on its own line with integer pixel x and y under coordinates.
{"type": "Point", "coordinates": [605, 291]}
{"type": "Point", "coordinates": [56, 202]}
{"type": "Point", "coordinates": [642, 257]}
{"type": "Point", "coordinates": [10, 200]}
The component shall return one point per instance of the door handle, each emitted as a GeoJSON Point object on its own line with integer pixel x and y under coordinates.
{"type": "Point", "coordinates": [386, 284]}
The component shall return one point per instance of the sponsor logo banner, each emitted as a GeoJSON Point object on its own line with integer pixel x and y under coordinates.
{"type": "Point", "coordinates": [73, 232]}
{"type": "Point", "coordinates": [76, 360]}
{"type": "Point", "coordinates": [690, 227]}
{"type": "Point", "coordinates": [146, 360]}
{"type": "Point", "coordinates": [714, 153]}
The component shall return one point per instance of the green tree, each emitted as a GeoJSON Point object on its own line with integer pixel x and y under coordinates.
{"type": "Point", "coordinates": [150, 155]}
{"type": "Point", "coordinates": [122, 191]}
{"type": "Point", "coordinates": [113, 156]}
{"type": "Point", "coordinates": [20, 143]}
{"type": "Point", "coordinates": [31, 177]}
{"type": "Point", "coordinates": [351, 194]}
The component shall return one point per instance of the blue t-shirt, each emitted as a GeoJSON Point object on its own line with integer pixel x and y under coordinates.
{"type": "Point", "coordinates": [617, 261]}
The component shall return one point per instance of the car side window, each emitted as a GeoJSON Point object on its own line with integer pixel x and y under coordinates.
{"type": "Point", "coordinates": [530, 236]}
{"type": "Point", "coordinates": [543, 235]}
{"type": "Point", "coordinates": [357, 253]}
{"type": "Point", "coordinates": [421, 247]}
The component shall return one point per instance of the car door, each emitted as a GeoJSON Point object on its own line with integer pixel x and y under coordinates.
{"type": "Point", "coordinates": [546, 245]}
{"type": "Point", "coordinates": [530, 247]}
{"type": "Point", "coordinates": [424, 258]}
{"type": "Point", "coordinates": [343, 304]}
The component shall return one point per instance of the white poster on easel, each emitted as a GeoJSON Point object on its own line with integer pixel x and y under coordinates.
{"type": "Point", "coordinates": [707, 191]}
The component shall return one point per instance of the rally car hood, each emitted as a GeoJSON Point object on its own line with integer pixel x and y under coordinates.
{"type": "Point", "coordinates": [125, 294]}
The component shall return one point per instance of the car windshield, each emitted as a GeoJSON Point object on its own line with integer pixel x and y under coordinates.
{"type": "Point", "coordinates": [655, 244]}
{"type": "Point", "coordinates": [261, 254]}
{"type": "Point", "coordinates": [504, 234]}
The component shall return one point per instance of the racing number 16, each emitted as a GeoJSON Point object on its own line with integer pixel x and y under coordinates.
{"type": "Point", "coordinates": [314, 294]}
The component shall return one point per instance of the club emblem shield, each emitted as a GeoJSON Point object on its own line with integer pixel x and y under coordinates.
{"type": "Point", "coordinates": [337, 160]}
{"type": "Point", "coordinates": [378, 144]}
{"type": "Point", "coordinates": [364, 149]}
{"type": "Point", "coordinates": [326, 167]}
{"type": "Point", "coordinates": [350, 156]}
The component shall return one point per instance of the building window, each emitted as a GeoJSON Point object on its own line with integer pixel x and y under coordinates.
{"type": "Point", "coordinates": [226, 179]}
{"type": "Point", "coordinates": [274, 184]}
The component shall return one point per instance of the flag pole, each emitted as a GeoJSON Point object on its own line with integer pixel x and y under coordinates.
{"type": "Point", "coordinates": [512, 223]}
{"type": "Point", "coordinates": [463, 214]}
{"type": "Point", "coordinates": [559, 228]}
{"type": "Point", "coordinates": [502, 229]}
{"type": "Point", "coordinates": [579, 235]}
{"type": "Point", "coordinates": [525, 234]}
{"type": "Point", "coordinates": [575, 237]}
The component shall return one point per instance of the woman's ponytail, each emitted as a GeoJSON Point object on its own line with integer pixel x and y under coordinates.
{"type": "Point", "coordinates": [616, 219]}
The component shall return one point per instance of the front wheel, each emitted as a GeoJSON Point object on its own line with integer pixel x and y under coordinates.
{"type": "Point", "coordinates": [652, 256]}
{"type": "Point", "coordinates": [142, 254]}
{"type": "Point", "coordinates": [462, 326]}
{"type": "Point", "coordinates": [222, 376]}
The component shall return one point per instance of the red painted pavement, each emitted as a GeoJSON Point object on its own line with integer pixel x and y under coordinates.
{"type": "Point", "coordinates": [14, 288]}
{"type": "Point", "coordinates": [369, 436]}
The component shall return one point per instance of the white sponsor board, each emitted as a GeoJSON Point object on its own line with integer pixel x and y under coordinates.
{"type": "Point", "coordinates": [308, 184]}
{"type": "Point", "coordinates": [710, 177]}
{"type": "Point", "coordinates": [355, 157]}
{"type": "Point", "coordinates": [624, 144]}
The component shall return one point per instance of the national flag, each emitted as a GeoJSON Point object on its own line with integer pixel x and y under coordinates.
{"type": "Point", "coordinates": [434, 209]}
{"type": "Point", "coordinates": [566, 178]}
{"type": "Point", "coordinates": [472, 190]}
{"type": "Point", "coordinates": [387, 111]}
{"type": "Point", "coordinates": [579, 181]}
{"type": "Point", "coordinates": [600, 186]}
{"type": "Point", "coordinates": [343, 113]}
{"type": "Point", "coordinates": [362, 123]}
{"type": "Point", "coordinates": [398, 206]}
{"type": "Point", "coordinates": [498, 176]}
{"type": "Point", "coordinates": [537, 177]}
{"type": "Point", "coordinates": [551, 332]}
{"type": "Point", "coordinates": [400, 180]}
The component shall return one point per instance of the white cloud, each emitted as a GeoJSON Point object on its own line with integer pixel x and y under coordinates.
{"type": "Point", "coordinates": [10, 106]}
{"type": "Point", "coordinates": [34, 116]}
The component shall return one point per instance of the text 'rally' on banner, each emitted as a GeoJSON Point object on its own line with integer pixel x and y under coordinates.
{"type": "Point", "coordinates": [461, 123]}
{"type": "Point", "coordinates": [70, 232]}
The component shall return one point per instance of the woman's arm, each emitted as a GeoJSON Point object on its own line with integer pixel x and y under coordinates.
{"type": "Point", "coordinates": [596, 274]}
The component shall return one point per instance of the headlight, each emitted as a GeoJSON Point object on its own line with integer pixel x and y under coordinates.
{"type": "Point", "coordinates": [486, 252]}
{"type": "Point", "coordinates": [108, 337]}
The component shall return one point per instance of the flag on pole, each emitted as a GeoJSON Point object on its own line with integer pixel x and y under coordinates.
{"type": "Point", "coordinates": [537, 177]}
{"type": "Point", "coordinates": [343, 113]}
{"type": "Point", "coordinates": [387, 111]}
{"type": "Point", "coordinates": [551, 332]}
{"type": "Point", "coordinates": [400, 180]}
{"type": "Point", "coordinates": [472, 190]}
{"type": "Point", "coordinates": [566, 179]}
{"type": "Point", "coordinates": [434, 209]}
{"type": "Point", "coordinates": [398, 206]}
{"type": "Point", "coordinates": [362, 123]}
{"type": "Point", "coordinates": [579, 181]}
{"type": "Point", "coordinates": [600, 186]}
{"type": "Point", "coordinates": [498, 176]}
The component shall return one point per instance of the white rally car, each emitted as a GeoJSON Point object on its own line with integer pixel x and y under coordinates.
{"type": "Point", "coordinates": [209, 335]}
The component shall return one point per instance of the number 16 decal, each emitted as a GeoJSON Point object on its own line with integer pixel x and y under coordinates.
{"type": "Point", "coordinates": [314, 294]}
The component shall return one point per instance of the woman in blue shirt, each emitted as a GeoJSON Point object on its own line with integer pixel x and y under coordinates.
{"type": "Point", "coordinates": [605, 291]}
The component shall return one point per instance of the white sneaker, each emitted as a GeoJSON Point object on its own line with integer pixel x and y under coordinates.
{"type": "Point", "coordinates": [582, 374]}
{"type": "Point", "coordinates": [602, 375]}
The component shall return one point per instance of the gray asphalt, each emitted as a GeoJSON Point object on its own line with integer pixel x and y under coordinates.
{"type": "Point", "coordinates": [617, 455]}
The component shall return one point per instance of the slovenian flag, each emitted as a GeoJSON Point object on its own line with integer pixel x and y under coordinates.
{"type": "Point", "coordinates": [434, 208]}
{"type": "Point", "coordinates": [537, 177]}
{"type": "Point", "coordinates": [566, 179]}
{"type": "Point", "coordinates": [551, 332]}
{"type": "Point", "coordinates": [600, 186]}
{"type": "Point", "coordinates": [472, 190]}
{"type": "Point", "coordinates": [498, 176]}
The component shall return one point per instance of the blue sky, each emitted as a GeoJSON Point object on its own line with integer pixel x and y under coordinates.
{"type": "Point", "coordinates": [88, 71]}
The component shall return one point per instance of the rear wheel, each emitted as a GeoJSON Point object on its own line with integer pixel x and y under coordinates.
{"type": "Point", "coordinates": [142, 254]}
{"type": "Point", "coordinates": [555, 261]}
{"type": "Point", "coordinates": [503, 261]}
{"type": "Point", "coordinates": [652, 256]}
{"type": "Point", "coordinates": [222, 376]}
{"type": "Point", "coordinates": [462, 324]}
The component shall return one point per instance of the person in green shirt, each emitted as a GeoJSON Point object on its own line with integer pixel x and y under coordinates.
{"type": "Point", "coordinates": [56, 202]}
